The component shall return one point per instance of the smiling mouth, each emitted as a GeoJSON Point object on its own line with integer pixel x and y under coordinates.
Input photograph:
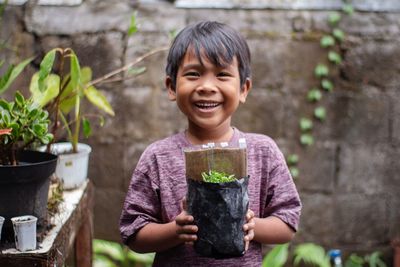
{"type": "Point", "coordinates": [207, 105]}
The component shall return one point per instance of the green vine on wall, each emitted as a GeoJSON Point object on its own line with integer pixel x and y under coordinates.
{"type": "Point", "coordinates": [331, 42]}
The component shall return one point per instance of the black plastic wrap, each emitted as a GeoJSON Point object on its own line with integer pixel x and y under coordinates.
{"type": "Point", "coordinates": [219, 211]}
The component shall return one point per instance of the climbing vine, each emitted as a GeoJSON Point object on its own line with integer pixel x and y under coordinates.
{"type": "Point", "coordinates": [331, 42]}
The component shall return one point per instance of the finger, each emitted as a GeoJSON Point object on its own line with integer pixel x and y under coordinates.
{"type": "Point", "coordinates": [246, 245]}
{"type": "Point", "coordinates": [184, 204]}
{"type": "Point", "coordinates": [250, 235]}
{"type": "Point", "coordinates": [183, 219]}
{"type": "Point", "coordinates": [187, 238]}
{"type": "Point", "coordinates": [249, 226]}
{"type": "Point", "coordinates": [187, 229]}
{"type": "Point", "coordinates": [249, 214]}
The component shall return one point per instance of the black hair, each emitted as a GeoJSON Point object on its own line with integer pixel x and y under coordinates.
{"type": "Point", "coordinates": [219, 43]}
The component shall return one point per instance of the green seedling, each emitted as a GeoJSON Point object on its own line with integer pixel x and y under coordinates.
{"type": "Point", "coordinates": [217, 177]}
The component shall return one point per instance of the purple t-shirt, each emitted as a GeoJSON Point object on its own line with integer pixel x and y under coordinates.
{"type": "Point", "coordinates": [159, 184]}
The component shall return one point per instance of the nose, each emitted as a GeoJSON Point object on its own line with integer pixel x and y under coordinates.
{"type": "Point", "coordinates": [207, 86]}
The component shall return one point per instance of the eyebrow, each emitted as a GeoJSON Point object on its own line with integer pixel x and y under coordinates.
{"type": "Point", "coordinates": [191, 66]}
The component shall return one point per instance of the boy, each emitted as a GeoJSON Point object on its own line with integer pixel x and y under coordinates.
{"type": "Point", "coordinates": [208, 75]}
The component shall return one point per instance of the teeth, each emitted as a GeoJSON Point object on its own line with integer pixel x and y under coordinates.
{"type": "Point", "coordinates": [207, 105]}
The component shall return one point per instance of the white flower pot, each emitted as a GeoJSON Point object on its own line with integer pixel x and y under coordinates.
{"type": "Point", "coordinates": [25, 232]}
{"type": "Point", "coordinates": [1, 224]}
{"type": "Point", "coordinates": [72, 168]}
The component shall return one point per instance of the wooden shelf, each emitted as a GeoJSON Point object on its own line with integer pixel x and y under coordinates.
{"type": "Point", "coordinates": [72, 230]}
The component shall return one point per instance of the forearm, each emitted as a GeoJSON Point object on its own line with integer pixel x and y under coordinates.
{"type": "Point", "coordinates": [272, 230]}
{"type": "Point", "coordinates": [155, 237]}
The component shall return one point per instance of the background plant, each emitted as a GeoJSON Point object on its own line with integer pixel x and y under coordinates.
{"type": "Point", "coordinates": [310, 254]}
{"type": "Point", "coordinates": [112, 254]}
{"type": "Point", "coordinates": [331, 42]}
{"type": "Point", "coordinates": [22, 123]}
{"type": "Point", "coordinates": [62, 92]}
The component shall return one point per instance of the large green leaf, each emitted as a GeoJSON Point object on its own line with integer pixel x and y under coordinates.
{"type": "Point", "coordinates": [52, 85]}
{"type": "Point", "coordinates": [68, 95]}
{"type": "Point", "coordinates": [45, 68]}
{"type": "Point", "coordinates": [75, 73]}
{"type": "Point", "coordinates": [114, 250]}
{"type": "Point", "coordinates": [98, 99]}
{"type": "Point", "coordinates": [277, 257]}
{"type": "Point", "coordinates": [12, 73]}
{"type": "Point", "coordinates": [311, 254]}
{"type": "Point", "coordinates": [85, 77]}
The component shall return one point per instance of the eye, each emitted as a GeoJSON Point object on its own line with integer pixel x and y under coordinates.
{"type": "Point", "coordinates": [224, 74]}
{"type": "Point", "coordinates": [191, 74]}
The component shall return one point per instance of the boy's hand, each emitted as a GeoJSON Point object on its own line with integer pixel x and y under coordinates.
{"type": "Point", "coordinates": [249, 228]}
{"type": "Point", "coordinates": [185, 229]}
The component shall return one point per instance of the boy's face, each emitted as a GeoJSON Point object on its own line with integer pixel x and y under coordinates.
{"type": "Point", "coordinates": [208, 95]}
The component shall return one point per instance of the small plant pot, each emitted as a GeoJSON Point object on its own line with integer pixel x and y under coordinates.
{"type": "Point", "coordinates": [25, 232]}
{"type": "Point", "coordinates": [72, 168]}
{"type": "Point", "coordinates": [1, 225]}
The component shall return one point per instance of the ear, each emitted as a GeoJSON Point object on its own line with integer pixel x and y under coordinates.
{"type": "Point", "coordinates": [171, 90]}
{"type": "Point", "coordinates": [245, 90]}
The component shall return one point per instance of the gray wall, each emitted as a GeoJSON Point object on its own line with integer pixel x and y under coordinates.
{"type": "Point", "coordinates": [349, 181]}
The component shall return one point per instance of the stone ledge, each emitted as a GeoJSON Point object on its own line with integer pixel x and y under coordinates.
{"type": "Point", "coordinates": [46, 2]}
{"type": "Point", "coordinates": [367, 5]}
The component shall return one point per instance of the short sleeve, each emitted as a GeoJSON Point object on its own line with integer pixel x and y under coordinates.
{"type": "Point", "coordinates": [141, 206]}
{"type": "Point", "coordinates": [283, 200]}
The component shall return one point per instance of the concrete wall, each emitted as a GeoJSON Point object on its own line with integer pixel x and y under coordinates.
{"type": "Point", "coordinates": [349, 180]}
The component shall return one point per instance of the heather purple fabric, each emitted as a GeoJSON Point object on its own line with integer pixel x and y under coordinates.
{"type": "Point", "coordinates": [158, 185]}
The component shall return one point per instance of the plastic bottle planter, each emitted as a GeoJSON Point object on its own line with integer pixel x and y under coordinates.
{"type": "Point", "coordinates": [1, 225]}
{"type": "Point", "coordinates": [25, 232]}
{"type": "Point", "coordinates": [72, 168]}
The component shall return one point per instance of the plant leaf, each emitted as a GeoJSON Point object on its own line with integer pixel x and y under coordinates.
{"type": "Point", "coordinates": [45, 68]}
{"type": "Point", "coordinates": [320, 113]}
{"type": "Point", "coordinates": [75, 73]}
{"type": "Point", "coordinates": [114, 250]}
{"type": "Point", "coordinates": [293, 159]}
{"type": "Point", "coordinates": [334, 18]}
{"type": "Point", "coordinates": [327, 85]}
{"type": "Point", "coordinates": [334, 57]}
{"type": "Point", "coordinates": [133, 27]}
{"type": "Point", "coordinates": [354, 261]}
{"type": "Point", "coordinates": [311, 254]}
{"type": "Point", "coordinates": [87, 130]}
{"type": "Point", "coordinates": [136, 71]}
{"type": "Point", "coordinates": [321, 70]}
{"type": "Point", "coordinates": [314, 95]}
{"type": "Point", "coordinates": [305, 124]}
{"type": "Point", "coordinates": [5, 131]}
{"type": "Point", "coordinates": [338, 34]}
{"type": "Point", "coordinates": [348, 9]}
{"type": "Point", "coordinates": [19, 99]}
{"type": "Point", "coordinates": [374, 260]}
{"type": "Point", "coordinates": [327, 41]}
{"type": "Point", "coordinates": [12, 73]}
{"type": "Point", "coordinates": [86, 77]}
{"type": "Point", "coordinates": [277, 257]}
{"type": "Point", "coordinates": [98, 99]}
{"type": "Point", "coordinates": [294, 171]}
{"type": "Point", "coordinates": [307, 139]}
{"type": "Point", "coordinates": [52, 85]}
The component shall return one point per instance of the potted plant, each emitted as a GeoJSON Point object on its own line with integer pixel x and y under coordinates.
{"type": "Point", "coordinates": [24, 173]}
{"type": "Point", "coordinates": [62, 92]}
{"type": "Point", "coordinates": [217, 199]}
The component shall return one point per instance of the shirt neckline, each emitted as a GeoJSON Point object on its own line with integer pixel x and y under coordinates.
{"type": "Point", "coordinates": [233, 141]}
